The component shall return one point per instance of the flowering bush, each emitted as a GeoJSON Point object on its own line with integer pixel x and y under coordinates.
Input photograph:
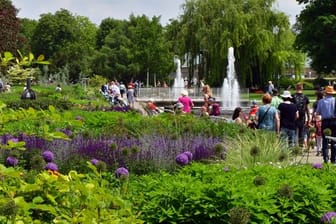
{"type": "Point", "coordinates": [11, 161]}
{"type": "Point", "coordinates": [48, 156]}
{"type": "Point", "coordinates": [317, 165]}
{"type": "Point", "coordinates": [51, 166]}
{"type": "Point", "coordinates": [94, 161]}
{"type": "Point", "coordinates": [189, 155]}
{"type": "Point", "coordinates": [182, 159]}
{"type": "Point", "coordinates": [121, 172]}
{"type": "Point", "coordinates": [328, 217]}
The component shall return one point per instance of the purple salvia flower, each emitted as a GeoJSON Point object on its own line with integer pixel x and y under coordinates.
{"type": "Point", "coordinates": [11, 161]}
{"type": "Point", "coordinates": [182, 159]}
{"type": "Point", "coordinates": [15, 140]}
{"type": "Point", "coordinates": [48, 156]}
{"type": "Point", "coordinates": [328, 217]}
{"type": "Point", "coordinates": [51, 166]}
{"type": "Point", "coordinates": [67, 132]}
{"type": "Point", "coordinates": [189, 154]}
{"type": "Point", "coordinates": [317, 165]}
{"type": "Point", "coordinates": [94, 161]}
{"type": "Point", "coordinates": [121, 172]}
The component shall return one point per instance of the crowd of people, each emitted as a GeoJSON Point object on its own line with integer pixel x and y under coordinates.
{"type": "Point", "coordinates": [115, 91]}
{"type": "Point", "coordinates": [290, 117]}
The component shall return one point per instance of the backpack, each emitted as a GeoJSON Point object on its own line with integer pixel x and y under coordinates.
{"type": "Point", "coordinates": [300, 100]}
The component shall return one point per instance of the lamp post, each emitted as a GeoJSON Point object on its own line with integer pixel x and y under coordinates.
{"type": "Point", "coordinates": [276, 32]}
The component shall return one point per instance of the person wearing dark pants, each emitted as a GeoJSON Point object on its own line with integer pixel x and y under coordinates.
{"type": "Point", "coordinates": [302, 103]}
{"type": "Point", "coordinates": [326, 108]}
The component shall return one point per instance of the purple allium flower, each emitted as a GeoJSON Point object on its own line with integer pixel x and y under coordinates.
{"type": "Point", "coordinates": [11, 161]}
{"type": "Point", "coordinates": [94, 161]}
{"type": "Point", "coordinates": [121, 172]}
{"type": "Point", "coordinates": [51, 166]}
{"type": "Point", "coordinates": [226, 169]}
{"type": "Point", "coordinates": [48, 156]}
{"type": "Point", "coordinates": [317, 165]}
{"type": "Point", "coordinates": [182, 159]}
{"type": "Point", "coordinates": [328, 217]}
{"type": "Point", "coordinates": [189, 154]}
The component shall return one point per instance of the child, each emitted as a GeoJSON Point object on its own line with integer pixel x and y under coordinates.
{"type": "Point", "coordinates": [318, 134]}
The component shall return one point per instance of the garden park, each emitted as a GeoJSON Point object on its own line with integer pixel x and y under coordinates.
{"type": "Point", "coordinates": [70, 157]}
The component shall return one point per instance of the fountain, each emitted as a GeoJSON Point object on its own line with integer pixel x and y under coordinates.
{"type": "Point", "coordinates": [230, 89]}
{"type": "Point", "coordinates": [178, 85]}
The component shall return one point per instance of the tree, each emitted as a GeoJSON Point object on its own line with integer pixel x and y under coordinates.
{"type": "Point", "coordinates": [9, 26]}
{"type": "Point", "coordinates": [27, 28]}
{"type": "Point", "coordinates": [65, 40]}
{"type": "Point", "coordinates": [132, 48]}
{"type": "Point", "coordinates": [316, 28]}
{"type": "Point", "coordinates": [209, 28]}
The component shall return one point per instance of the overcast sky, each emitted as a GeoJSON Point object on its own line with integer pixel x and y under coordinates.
{"type": "Point", "coordinates": [97, 10]}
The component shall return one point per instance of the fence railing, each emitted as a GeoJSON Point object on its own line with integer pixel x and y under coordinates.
{"type": "Point", "coordinates": [174, 93]}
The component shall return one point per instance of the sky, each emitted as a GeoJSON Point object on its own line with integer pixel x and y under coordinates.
{"type": "Point", "coordinates": [97, 10]}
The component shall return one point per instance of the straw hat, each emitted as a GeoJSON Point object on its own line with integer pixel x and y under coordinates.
{"type": "Point", "coordinates": [286, 94]}
{"type": "Point", "coordinates": [184, 92]}
{"type": "Point", "coordinates": [329, 90]}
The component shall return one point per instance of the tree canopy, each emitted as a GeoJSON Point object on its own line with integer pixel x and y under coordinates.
{"type": "Point", "coordinates": [260, 36]}
{"type": "Point", "coordinates": [9, 26]}
{"type": "Point", "coordinates": [316, 32]}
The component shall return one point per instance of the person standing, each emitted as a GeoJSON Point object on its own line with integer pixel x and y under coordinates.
{"type": "Point", "coordinates": [288, 114]}
{"type": "Point", "coordinates": [268, 116]}
{"type": "Point", "coordinates": [186, 101]}
{"type": "Point", "coordinates": [130, 95]}
{"type": "Point", "coordinates": [276, 100]}
{"type": "Point", "coordinates": [270, 87]}
{"type": "Point", "coordinates": [326, 108]}
{"type": "Point", "coordinates": [302, 103]}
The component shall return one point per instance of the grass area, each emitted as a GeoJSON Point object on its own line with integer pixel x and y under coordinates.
{"type": "Point", "coordinates": [251, 96]}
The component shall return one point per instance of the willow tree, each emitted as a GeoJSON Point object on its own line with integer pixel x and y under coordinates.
{"type": "Point", "coordinates": [260, 36]}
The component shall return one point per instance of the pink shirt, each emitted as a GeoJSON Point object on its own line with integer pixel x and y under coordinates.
{"type": "Point", "coordinates": [187, 103]}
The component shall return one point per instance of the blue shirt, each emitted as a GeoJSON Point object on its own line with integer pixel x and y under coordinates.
{"type": "Point", "coordinates": [326, 107]}
{"type": "Point", "coordinates": [268, 122]}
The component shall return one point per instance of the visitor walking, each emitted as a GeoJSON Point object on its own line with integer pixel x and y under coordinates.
{"type": "Point", "coordinates": [130, 95]}
{"type": "Point", "coordinates": [288, 114]}
{"type": "Point", "coordinates": [270, 87]}
{"type": "Point", "coordinates": [268, 116]}
{"type": "Point", "coordinates": [326, 108]}
{"type": "Point", "coordinates": [302, 103]}
{"type": "Point", "coordinates": [276, 100]}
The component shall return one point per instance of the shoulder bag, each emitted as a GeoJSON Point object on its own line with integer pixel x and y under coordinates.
{"type": "Point", "coordinates": [262, 118]}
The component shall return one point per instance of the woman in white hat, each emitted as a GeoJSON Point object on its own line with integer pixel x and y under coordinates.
{"type": "Point", "coordinates": [288, 114]}
{"type": "Point", "coordinates": [186, 101]}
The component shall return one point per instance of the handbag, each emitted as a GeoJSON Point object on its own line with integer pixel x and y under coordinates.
{"type": "Point", "coordinates": [262, 118]}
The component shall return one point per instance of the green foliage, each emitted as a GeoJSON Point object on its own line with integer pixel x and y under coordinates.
{"type": "Point", "coordinates": [261, 37]}
{"type": "Point", "coordinates": [208, 194]}
{"type": "Point", "coordinates": [55, 198]}
{"type": "Point", "coordinates": [97, 81]}
{"type": "Point", "coordinates": [65, 40]}
{"type": "Point", "coordinates": [318, 20]}
{"type": "Point", "coordinates": [260, 147]}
